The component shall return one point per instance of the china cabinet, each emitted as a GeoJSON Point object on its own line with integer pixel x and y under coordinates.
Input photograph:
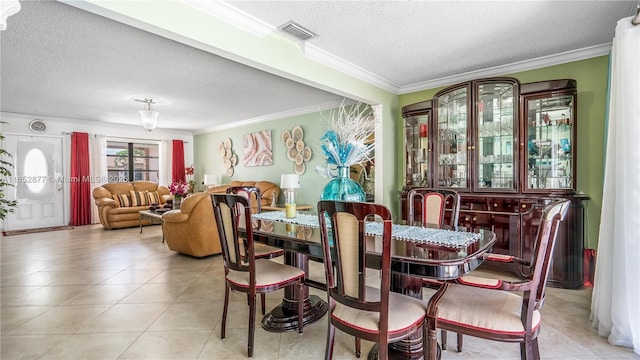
{"type": "Point", "coordinates": [509, 149]}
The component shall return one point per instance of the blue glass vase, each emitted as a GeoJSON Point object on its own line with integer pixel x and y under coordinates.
{"type": "Point", "coordinates": [343, 187]}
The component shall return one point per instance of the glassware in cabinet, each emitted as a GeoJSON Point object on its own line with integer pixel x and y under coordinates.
{"type": "Point", "coordinates": [452, 147]}
{"type": "Point", "coordinates": [417, 127]}
{"type": "Point", "coordinates": [496, 104]}
{"type": "Point", "coordinates": [550, 136]}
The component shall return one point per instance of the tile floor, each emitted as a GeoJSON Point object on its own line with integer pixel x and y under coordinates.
{"type": "Point", "coordinates": [90, 293]}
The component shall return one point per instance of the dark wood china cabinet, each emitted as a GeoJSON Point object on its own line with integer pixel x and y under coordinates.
{"type": "Point", "coordinates": [508, 149]}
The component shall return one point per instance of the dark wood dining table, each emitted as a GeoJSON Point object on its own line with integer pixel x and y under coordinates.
{"type": "Point", "coordinates": [412, 261]}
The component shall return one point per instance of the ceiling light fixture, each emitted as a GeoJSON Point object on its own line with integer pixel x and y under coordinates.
{"type": "Point", "coordinates": [148, 117]}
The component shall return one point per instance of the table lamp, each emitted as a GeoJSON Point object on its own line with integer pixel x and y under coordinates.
{"type": "Point", "coordinates": [210, 180]}
{"type": "Point", "coordinates": [289, 182]}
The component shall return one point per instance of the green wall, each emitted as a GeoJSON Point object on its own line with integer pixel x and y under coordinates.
{"type": "Point", "coordinates": [591, 76]}
{"type": "Point", "coordinates": [207, 160]}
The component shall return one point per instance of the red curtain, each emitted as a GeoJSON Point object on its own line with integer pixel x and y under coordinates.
{"type": "Point", "coordinates": [177, 169]}
{"type": "Point", "coordinates": [80, 180]}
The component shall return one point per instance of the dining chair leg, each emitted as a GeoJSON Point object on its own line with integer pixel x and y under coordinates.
{"type": "Point", "coordinates": [358, 347]}
{"type": "Point", "coordinates": [262, 302]}
{"type": "Point", "coordinates": [252, 324]}
{"type": "Point", "coordinates": [425, 343]}
{"type": "Point", "coordinates": [433, 343]}
{"type": "Point", "coordinates": [443, 339]}
{"type": "Point", "coordinates": [526, 350]}
{"type": "Point", "coordinates": [224, 312]}
{"type": "Point", "coordinates": [459, 336]}
{"type": "Point", "coordinates": [331, 333]}
{"type": "Point", "coordinates": [536, 350]}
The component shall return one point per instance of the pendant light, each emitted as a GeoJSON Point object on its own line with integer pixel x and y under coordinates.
{"type": "Point", "coordinates": [148, 117]}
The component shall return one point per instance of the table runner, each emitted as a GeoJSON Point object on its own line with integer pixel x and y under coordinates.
{"type": "Point", "coordinates": [418, 234]}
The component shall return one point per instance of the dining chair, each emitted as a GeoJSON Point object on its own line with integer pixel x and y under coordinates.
{"type": "Point", "coordinates": [243, 272]}
{"type": "Point", "coordinates": [506, 311]}
{"type": "Point", "coordinates": [262, 251]}
{"type": "Point", "coordinates": [437, 208]}
{"type": "Point", "coordinates": [366, 312]}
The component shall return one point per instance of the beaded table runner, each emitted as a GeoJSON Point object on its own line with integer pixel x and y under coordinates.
{"type": "Point", "coordinates": [418, 234]}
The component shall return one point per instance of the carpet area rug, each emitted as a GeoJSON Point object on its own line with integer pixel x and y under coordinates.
{"type": "Point", "coordinates": [38, 230]}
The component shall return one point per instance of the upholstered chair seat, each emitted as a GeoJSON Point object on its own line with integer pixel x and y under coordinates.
{"type": "Point", "coordinates": [268, 274]}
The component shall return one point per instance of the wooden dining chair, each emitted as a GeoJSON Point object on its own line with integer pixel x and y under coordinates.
{"type": "Point", "coordinates": [243, 272]}
{"type": "Point", "coordinates": [437, 207]}
{"type": "Point", "coordinates": [431, 207]}
{"type": "Point", "coordinates": [262, 251]}
{"type": "Point", "coordinates": [371, 313]}
{"type": "Point", "coordinates": [506, 311]}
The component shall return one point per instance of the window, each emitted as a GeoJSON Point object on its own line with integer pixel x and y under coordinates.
{"type": "Point", "coordinates": [132, 162]}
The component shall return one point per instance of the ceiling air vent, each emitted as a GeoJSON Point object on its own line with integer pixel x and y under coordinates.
{"type": "Point", "coordinates": [297, 31]}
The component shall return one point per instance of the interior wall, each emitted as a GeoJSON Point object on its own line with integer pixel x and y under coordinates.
{"type": "Point", "coordinates": [591, 76]}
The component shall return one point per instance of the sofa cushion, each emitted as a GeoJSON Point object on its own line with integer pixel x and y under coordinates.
{"type": "Point", "coordinates": [139, 198]}
{"type": "Point", "coordinates": [123, 200]}
{"type": "Point", "coordinates": [153, 197]}
{"type": "Point", "coordinates": [145, 186]}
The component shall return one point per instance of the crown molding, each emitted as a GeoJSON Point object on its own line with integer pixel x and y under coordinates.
{"type": "Point", "coordinates": [276, 116]}
{"type": "Point", "coordinates": [536, 63]}
{"type": "Point", "coordinates": [233, 16]}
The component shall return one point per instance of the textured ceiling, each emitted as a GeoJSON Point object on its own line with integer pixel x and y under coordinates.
{"type": "Point", "coordinates": [61, 61]}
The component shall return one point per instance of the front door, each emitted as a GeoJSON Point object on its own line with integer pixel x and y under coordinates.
{"type": "Point", "coordinates": [37, 176]}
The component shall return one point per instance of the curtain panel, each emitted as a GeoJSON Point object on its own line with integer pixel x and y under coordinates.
{"type": "Point", "coordinates": [97, 168]}
{"type": "Point", "coordinates": [81, 180]}
{"type": "Point", "coordinates": [177, 168]}
{"type": "Point", "coordinates": [615, 309]}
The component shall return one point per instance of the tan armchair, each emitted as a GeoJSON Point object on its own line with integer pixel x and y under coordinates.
{"type": "Point", "coordinates": [192, 230]}
{"type": "Point", "coordinates": [115, 214]}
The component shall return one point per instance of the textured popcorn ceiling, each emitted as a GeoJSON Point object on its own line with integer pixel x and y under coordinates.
{"type": "Point", "coordinates": [61, 61]}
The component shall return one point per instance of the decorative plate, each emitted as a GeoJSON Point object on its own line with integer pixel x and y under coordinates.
{"type": "Point", "coordinates": [299, 169]}
{"type": "Point", "coordinates": [230, 171]}
{"type": "Point", "coordinates": [291, 153]}
{"type": "Point", "coordinates": [297, 134]}
{"type": "Point", "coordinates": [234, 160]}
{"type": "Point", "coordinates": [306, 153]}
{"type": "Point", "coordinates": [227, 144]}
{"type": "Point", "coordinates": [286, 135]}
{"type": "Point", "coordinates": [300, 145]}
{"type": "Point", "coordinates": [298, 159]}
{"type": "Point", "coordinates": [290, 143]}
{"type": "Point", "coordinates": [221, 149]}
{"type": "Point", "coordinates": [38, 126]}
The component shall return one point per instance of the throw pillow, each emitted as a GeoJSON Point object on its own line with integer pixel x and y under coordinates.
{"type": "Point", "coordinates": [138, 198]}
{"type": "Point", "coordinates": [153, 197]}
{"type": "Point", "coordinates": [123, 200]}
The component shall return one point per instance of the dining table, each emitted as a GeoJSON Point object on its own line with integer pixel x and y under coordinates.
{"type": "Point", "coordinates": [417, 253]}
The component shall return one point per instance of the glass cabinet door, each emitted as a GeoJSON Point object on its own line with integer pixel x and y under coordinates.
{"type": "Point", "coordinates": [496, 122]}
{"type": "Point", "coordinates": [416, 132]}
{"type": "Point", "coordinates": [452, 142]}
{"type": "Point", "coordinates": [550, 141]}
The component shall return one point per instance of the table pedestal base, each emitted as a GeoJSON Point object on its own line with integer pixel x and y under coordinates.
{"type": "Point", "coordinates": [402, 353]}
{"type": "Point", "coordinates": [284, 317]}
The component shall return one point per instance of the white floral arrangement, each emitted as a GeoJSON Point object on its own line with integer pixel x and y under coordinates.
{"type": "Point", "coordinates": [345, 142]}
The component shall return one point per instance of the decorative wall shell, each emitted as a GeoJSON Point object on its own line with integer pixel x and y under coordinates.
{"type": "Point", "coordinates": [225, 149]}
{"type": "Point", "coordinates": [297, 151]}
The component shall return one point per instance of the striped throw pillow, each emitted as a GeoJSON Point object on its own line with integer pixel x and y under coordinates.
{"type": "Point", "coordinates": [153, 197]}
{"type": "Point", "coordinates": [123, 200]}
{"type": "Point", "coordinates": [138, 198]}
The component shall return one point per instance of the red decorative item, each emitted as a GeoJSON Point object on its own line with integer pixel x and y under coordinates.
{"type": "Point", "coordinates": [423, 130]}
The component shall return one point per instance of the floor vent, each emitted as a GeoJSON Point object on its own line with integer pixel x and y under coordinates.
{"type": "Point", "coordinates": [297, 31]}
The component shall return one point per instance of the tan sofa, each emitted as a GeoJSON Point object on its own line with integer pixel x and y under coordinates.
{"type": "Point", "coordinates": [192, 230]}
{"type": "Point", "coordinates": [113, 214]}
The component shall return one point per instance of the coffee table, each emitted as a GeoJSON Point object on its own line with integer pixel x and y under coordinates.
{"type": "Point", "coordinates": [152, 216]}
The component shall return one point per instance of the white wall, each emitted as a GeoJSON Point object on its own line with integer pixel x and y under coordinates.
{"type": "Point", "coordinates": [18, 124]}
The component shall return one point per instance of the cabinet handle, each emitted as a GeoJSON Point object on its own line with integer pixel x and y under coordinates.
{"type": "Point", "coordinates": [521, 144]}
{"type": "Point", "coordinates": [473, 147]}
{"type": "Point", "coordinates": [524, 206]}
{"type": "Point", "coordinates": [495, 205]}
{"type": "Point", "coordinates": [466, 218]}
{"type": "Point", "coordinates": [474, 219]}
{"type": "Point", "coordinates": [468, 147]}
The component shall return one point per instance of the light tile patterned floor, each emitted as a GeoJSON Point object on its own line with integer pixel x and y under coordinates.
{"type": "Point", "coordinates": [90, 293]}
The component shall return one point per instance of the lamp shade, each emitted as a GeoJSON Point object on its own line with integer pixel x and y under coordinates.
{"type": "Point", "coordinates": [211, 179]}
{"type": "Point", "coordinates": [289, 181]}
{"type": "Point", "coordinates": [149, 119]}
